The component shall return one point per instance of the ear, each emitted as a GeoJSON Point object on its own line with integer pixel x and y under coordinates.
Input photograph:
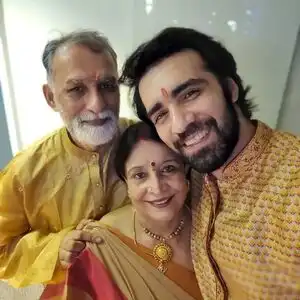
{"type": "Point", "coordinates": [48, 94]}
{"type": "Point", "coordinates": [234, 90]}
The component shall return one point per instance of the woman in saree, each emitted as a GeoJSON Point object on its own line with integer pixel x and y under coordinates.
{"type": "Point", "coordinates": [145, 252]}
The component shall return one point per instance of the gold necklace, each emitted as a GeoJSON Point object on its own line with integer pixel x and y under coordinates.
{"type": "Point", "coordinates": [162, 252]}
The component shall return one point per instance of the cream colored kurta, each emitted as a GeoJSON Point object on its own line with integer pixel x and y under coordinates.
{"type": "Point", "coordinates": [246, 226]}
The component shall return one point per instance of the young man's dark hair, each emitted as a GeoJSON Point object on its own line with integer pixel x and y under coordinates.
{"type": "Point", "coordinates": [172, 40]}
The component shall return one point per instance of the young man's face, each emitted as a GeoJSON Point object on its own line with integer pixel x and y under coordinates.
{"type": "Point", "coordinates": [187, 105]}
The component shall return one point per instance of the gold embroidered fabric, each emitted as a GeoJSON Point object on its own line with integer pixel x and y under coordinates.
{"type": "Point", "coordinates": [246, 226]}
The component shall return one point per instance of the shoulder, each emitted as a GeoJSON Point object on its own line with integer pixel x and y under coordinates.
{"type": "Point", "coordinates": [286, 140]}
{"type": "Point", "coordinates": [276, 145]}
{"type": "Point", "coordinates": [276, 140]}
{"type": "Point", "coordinates": [35, 156]}
{"type": "Point", "coordinates": [286, 146]}
{"type": "Point", "coordinates": [120, 219]}
{"type": "Point", "coordinates": [281, 159]}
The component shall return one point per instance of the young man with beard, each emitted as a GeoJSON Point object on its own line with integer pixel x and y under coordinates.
{"type": "Point", "coordinates": [246, 210]}
{"type": "Point", "coordinates": [58, 183]}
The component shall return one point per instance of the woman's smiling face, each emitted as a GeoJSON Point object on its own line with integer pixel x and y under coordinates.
{"type": "Point", "coordinates": [156, 181]}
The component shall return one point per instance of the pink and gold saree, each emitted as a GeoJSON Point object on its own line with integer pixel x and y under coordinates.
{"type": "Point", "coordinates": [120, 270]}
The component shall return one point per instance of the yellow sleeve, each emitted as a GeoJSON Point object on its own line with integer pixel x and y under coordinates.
{"type": "Point", "coordinates": [26, 256]}
{"type": "Point", "coordinates": [124, 123]}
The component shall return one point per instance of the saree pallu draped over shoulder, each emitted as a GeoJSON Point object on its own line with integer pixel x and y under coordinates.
{"type": "Point", "coordinates": [113, 271]}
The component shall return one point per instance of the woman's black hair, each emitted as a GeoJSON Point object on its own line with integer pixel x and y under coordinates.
{"type": "Point", "coordinates": [131, 136]}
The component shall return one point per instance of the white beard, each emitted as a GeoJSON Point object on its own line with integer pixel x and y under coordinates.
{"type": "Point", "coordinates": [90, 134]}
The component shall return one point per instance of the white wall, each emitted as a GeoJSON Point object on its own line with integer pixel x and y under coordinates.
{"type": "Point", "coordinates": [5, 150]}
{"type": "Point", "coordinates": [289, 119]}
{"type": "Point", "coordinates": [262, 42]}
{"type": "Point", "coordinates": [29, 24]}
{"type": "Point", "coordinates": [7, 88]}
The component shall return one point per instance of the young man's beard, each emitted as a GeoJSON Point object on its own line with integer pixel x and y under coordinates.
{"type": "Point", "coordinates": [215, 155]}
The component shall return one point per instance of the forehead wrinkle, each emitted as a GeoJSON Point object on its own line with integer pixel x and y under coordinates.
{"type": "Point", "coordinates": [186, 62]}
{"type": "Point", "coordinates": [64, 55]}
{"type": "Point", "coordinates": [90, 78]}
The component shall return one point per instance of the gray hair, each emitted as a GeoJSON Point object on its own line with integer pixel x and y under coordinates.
{"type": "Point", "coordinates": [93, 40]}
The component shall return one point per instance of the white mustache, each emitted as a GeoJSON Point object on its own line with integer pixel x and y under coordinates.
{"type": "Point", "coordinates": [89, 116]}
{"type": "Point", "coordinates": [94, 135]}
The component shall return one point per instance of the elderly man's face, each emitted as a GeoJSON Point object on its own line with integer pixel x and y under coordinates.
{"type": "Point", "coordinates": [84, 90]}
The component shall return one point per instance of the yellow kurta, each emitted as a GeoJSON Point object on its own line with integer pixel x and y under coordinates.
{"type": "Point", "coordinates": [45, 191]}
{"type": "Point", "coordinates": [246, 225]}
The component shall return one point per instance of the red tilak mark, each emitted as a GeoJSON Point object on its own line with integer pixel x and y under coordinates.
{"type": "Point", "coordinates": [164, 94]}
{"type": "Point", "coordinates": [152, 164]}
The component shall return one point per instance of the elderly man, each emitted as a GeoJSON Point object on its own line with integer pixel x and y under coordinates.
{"type": "Point", "coordinates": [59, 182]}
{"type": "Point", "coordinates": [246, 214]}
